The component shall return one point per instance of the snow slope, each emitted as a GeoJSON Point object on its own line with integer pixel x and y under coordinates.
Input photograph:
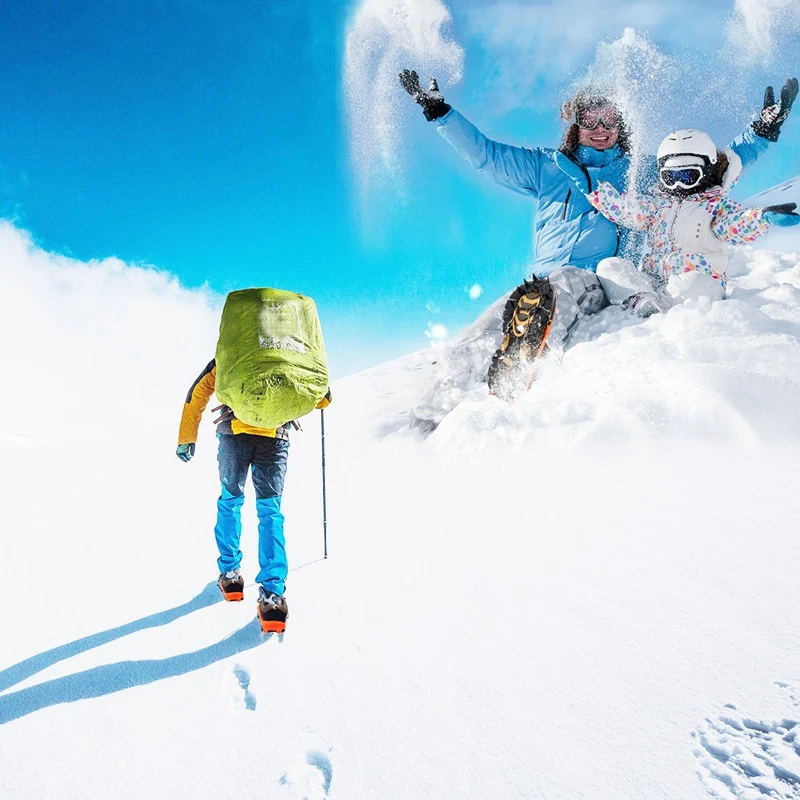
{"type": "Point", "coordinates": [777, 239]}
{"type": "Point", "coordinates": [786, 192]}
{"type": "Point", "coordinates": [592, 594]}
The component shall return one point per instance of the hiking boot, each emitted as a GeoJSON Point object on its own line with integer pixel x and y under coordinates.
{"type": "Point", "coordinates": [231, 584]}
{"type": "Point", "coordinates": [527, 319]}
{"type": "Point", "coordinates": [644, 305]}
{"type": "Point", "coordinates": [272, 611]}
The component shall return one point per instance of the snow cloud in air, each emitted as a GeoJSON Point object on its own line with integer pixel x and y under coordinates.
{"type": "Point", "coordinates": [436, 332]}
{"type": "Point", "coordinates": [385, 37]}
{"type": "Point", "coordinates": [763, 32]}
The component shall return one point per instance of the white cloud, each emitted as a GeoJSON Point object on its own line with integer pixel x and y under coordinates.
{"type": "Point", "coordinates": [475, 291]}
{"type": "Point", "coordinates": [102, 348]}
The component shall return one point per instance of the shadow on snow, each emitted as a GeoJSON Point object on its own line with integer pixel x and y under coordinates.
{"type": "Point", "coordinates": [111, 678]}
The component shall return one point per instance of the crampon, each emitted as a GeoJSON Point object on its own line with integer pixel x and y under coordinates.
{"type": "Point", "coordinates": [527, 319]}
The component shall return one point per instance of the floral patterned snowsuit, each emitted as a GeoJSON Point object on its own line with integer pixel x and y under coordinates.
{"type": "Point", "coordinates": [684, 234]}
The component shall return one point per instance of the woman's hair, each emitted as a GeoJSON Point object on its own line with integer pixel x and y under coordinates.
{"type": "Point", "coordinates": [581, 102]}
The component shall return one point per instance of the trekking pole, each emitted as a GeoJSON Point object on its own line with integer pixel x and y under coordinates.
{"type": "Point", "coordinates": [324, 496]}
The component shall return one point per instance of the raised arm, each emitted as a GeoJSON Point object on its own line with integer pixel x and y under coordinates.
{"type": "Point", "coordinates": [516, 168]}
{"type": "Point", "coordinates": [757, 137]}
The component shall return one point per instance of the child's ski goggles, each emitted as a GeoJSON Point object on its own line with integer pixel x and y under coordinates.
{"type": "Point", "coordinates": [590, 118]}
{"type": "Point", "coordinates": [685, 177]}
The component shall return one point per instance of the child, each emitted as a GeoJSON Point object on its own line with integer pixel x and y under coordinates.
{"type": "Point", "coordinates": [689, 219]}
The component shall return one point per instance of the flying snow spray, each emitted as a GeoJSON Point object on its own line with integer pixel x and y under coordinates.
{"type": "Point", "coordinates": [384, 37]}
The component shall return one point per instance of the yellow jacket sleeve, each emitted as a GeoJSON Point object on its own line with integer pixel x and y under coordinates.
{"type": "Point", "coordinates": [196, 402]}
{"type": "Point", "coordinates": [326, 401]}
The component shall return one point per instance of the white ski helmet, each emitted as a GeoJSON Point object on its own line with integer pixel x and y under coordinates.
{"type": "Point", "coordinates": [687, 161]}
{"type": "Point", "coordinates": [687, 142]}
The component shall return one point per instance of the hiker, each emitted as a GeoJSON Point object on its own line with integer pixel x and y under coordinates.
{"type": "Point", "coordinates": [247, 447]}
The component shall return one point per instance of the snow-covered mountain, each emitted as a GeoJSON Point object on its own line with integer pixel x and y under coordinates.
{"type": "Point", "coordinates": [786, 192]}
{"type": "Point", "coordinates": [784, 240]}
{"type": "Point", "coordinates": [592, 594]}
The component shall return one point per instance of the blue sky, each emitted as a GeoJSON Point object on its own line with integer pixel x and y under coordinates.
{"type": "Point", "coordinates": [210, 139]}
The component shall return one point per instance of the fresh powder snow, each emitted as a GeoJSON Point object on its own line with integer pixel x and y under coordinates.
{"type": "Point", "coordinates": [590, 594]}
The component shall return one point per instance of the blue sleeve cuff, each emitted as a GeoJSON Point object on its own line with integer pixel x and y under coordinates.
{"type": "Point", "coordinates": [749, 146]}
{"type": "Point", "coordinates": [439, 121]}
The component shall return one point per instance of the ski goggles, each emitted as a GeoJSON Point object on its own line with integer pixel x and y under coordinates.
{"type": "Point", "coordinates": [590, 118]}
{"type": "Point", "coordinates": [685, 177]}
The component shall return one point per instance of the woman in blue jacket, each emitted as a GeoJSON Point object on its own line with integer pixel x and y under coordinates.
{"type": "Point", "coordinates": [570, 238]}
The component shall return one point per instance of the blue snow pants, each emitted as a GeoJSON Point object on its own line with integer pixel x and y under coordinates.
{"type": "Point", "coordinates": [267, 457]}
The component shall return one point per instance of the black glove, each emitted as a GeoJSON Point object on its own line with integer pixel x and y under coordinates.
{"type": "Point", "coordinates": [783, 215]}
{"type": "Point", "coordinates": [773, 115]}
{"type": "Point", "coordinates": [432, 102]}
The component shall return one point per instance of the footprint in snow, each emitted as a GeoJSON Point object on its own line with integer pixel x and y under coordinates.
{"type": "Point", "coordinates": [309, 780]}
{"type": "Point", "coordinates": [740, 758]}
{"type": "Point", "coordinates": [236, 686]}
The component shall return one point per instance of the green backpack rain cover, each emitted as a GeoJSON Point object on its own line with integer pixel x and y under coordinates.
{"type": "Point", "coordinates": [271, 364]}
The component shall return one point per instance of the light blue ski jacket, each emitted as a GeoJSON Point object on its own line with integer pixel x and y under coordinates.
{"type": "Point", "coordinates": [567, 230]}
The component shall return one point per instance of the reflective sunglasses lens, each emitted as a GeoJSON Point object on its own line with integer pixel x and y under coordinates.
{"type": "Point", "coordinates": [686, 177]}
{"type": "Point", "coordinates": [592, 117]}
{"type": "Point", "coordinates": [609, 120]}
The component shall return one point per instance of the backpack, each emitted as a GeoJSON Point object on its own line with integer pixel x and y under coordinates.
{"type": "Point", "coordinates": [271, 363]}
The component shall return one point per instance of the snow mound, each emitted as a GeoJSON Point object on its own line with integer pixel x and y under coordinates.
{"type": "Point", "coordinates": [727, 371]}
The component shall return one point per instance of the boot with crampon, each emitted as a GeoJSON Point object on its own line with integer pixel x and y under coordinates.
{"type": "Point", "coordinates": [527, 319]}
{"type": "Point", "coordinates": [231, 584]}
{"type": "Point", "coordinates": [272, 611]}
